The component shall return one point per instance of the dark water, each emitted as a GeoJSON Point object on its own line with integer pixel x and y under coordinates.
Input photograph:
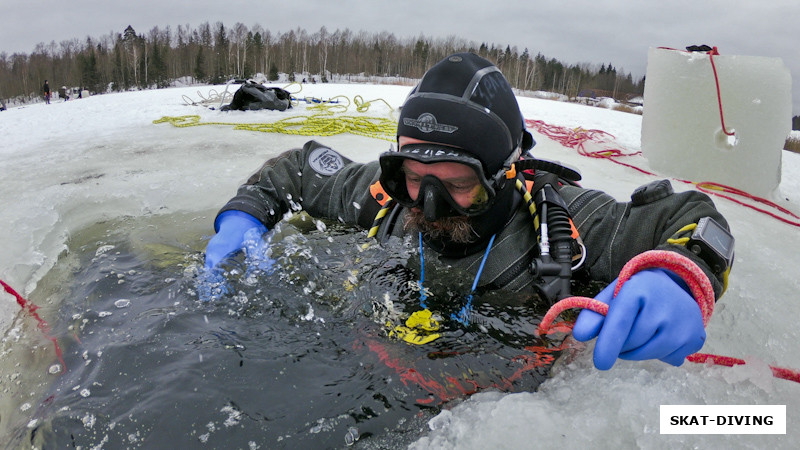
{"type": "Point", "coordinates": [296, 356]}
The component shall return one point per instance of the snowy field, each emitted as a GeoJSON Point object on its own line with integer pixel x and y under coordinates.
{"type": "Point", "coordinates": [68, 165]}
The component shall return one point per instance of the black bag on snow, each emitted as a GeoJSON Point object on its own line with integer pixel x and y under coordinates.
{"type": "Point", "coordinates": [253, 96]}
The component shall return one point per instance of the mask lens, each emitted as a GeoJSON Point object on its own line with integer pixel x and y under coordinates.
{"type": "Point", "coordinates": [466, 197]}
{"type": "Point", "coordinates": [480, 199]}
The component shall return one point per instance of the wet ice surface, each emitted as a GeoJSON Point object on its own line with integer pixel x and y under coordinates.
{"type": "Point", "coordinates": [73, 166]}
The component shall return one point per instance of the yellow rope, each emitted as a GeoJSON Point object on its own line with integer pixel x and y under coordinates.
{"type": "Point", "coordinates": [362, 106]}
{"type": "Point", "coordinates": [316, 125]}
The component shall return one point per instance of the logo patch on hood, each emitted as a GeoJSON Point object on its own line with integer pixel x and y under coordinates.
{"type": "Point", "coordinates": [426, 123]}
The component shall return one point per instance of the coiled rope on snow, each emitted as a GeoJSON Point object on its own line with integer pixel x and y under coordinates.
{"type": "Point", "coordinates": [315, 125]}
{"type": "Point", "coordinates": [327, 120]}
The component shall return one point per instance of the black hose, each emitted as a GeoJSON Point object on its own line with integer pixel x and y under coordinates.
{"type": "Point", "coordinates": [553, 268]}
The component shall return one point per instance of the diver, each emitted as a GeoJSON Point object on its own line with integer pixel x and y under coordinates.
{"type": "Point", "coordinates": [463, 180]}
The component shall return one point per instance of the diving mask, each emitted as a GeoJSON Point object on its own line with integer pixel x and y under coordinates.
{"type": "Point", "coordinates": [434, 197]}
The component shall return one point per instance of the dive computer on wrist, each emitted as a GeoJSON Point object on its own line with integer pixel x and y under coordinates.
{"type": "Point", "coordinates": [713, 244]}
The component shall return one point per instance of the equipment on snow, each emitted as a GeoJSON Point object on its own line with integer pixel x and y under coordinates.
{"type": "Point", "coordinates": [253, 96]}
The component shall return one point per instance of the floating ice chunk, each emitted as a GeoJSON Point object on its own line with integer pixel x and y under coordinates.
{"type": "Point", "coordinates": [103, 249]}
{"type": "Point", "coordinates": [122, 303]}
{"type": "Point", "coordinates": [89, 420]}
{"type": "Point", "coordinates": [309, 315]}
{"type": "Point", "coordinates": [234, 416]}
{"type": "Point", "coordinates": [352, 436]}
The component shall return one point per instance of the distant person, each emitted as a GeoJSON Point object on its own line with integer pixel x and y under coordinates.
{"type": "Point", "coordinates": [459, 181]}
{"type": "Point", "coordinates": [64, 93]}
{"type": "Point", "coordinates": [46, 90]}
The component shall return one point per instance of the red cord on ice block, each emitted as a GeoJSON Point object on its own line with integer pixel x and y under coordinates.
{"type": "Point", "coordinates": [698, 284]}
{"type": "Point", "coordinates": [30, 308]}
{"type": "Point", "coordinates": [711, 54]}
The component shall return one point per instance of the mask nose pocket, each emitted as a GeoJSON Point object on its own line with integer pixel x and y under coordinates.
{"type": "Point", "coordinates": [436, 201]}
{"type": "Point", "coordinates": [429, 204]}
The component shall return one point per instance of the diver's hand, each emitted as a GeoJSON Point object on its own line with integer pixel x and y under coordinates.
{"type": "Point", "coordinates": [652, 317]}
{"type": "Point", "coordinates": [231, 228]}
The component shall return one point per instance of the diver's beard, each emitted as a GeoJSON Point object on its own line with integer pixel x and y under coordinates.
{"type": "Point", "coordinates": [456, 229]}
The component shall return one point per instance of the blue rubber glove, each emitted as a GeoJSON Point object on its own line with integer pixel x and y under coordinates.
{"type": "Point", "coordinates": [231, 227]}
{"type": "Point", "coordinates": [652, 317]}
{"type": "Point", "coordinates": [236, 230]}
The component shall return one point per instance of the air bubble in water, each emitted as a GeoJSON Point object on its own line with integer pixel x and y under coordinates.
{"type": "Point", "coordinates": [352, 436]}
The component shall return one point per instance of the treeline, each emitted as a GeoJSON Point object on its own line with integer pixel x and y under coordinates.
{"type": "Point", "coordinates": [216, 53]}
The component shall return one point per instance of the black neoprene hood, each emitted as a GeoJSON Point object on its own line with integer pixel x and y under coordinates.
{"type": "Point", "coordinates": [465, 101]}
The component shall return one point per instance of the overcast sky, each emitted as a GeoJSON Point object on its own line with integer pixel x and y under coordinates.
{"type": "Point", "coordinates": [574, 31]}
